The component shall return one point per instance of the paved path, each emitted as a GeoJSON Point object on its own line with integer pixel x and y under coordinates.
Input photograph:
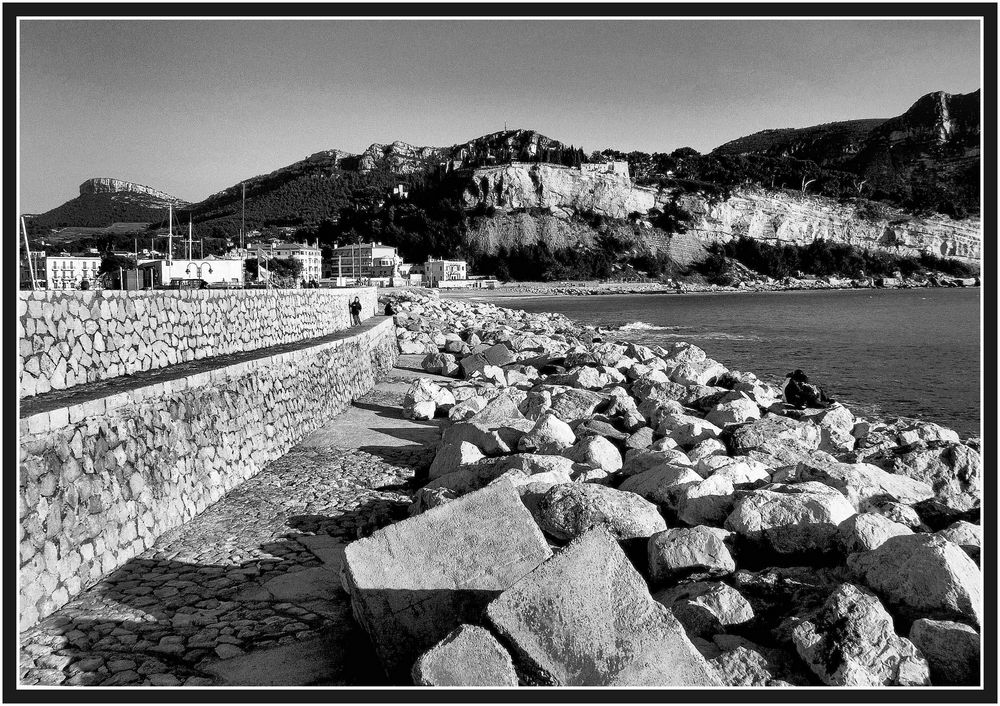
{"type": "Point", "coordinates": [248, 592]}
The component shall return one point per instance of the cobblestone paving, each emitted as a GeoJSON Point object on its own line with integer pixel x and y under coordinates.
{"type": "Point", "coordinates": [246, 575]}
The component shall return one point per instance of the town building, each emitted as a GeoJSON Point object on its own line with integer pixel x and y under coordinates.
{"type": "Point", "coordinates": [614, 167]}
{"type": "Point", "coordinates": [437, 271]}
{"type": "Point", "coordinates": [65, 271]}
{"type": "Point", "coordinates": [214, 271]}
{"type": "Point", "coordinates": [363, 261]}
{"type": "Point", "coordinates": [310, 256]}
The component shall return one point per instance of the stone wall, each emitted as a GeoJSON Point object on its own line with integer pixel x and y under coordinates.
{"type": "Point", "coordinates": [70, 338]}
{"type": "Point", "coordinates": [99, 481]}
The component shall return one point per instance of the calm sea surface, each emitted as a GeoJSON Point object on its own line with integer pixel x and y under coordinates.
{"type": "Point", "coordinates": [912, 353]}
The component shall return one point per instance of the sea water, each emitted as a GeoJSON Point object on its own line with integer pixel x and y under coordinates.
{"type": "Point", "coordinates": [883, 353]}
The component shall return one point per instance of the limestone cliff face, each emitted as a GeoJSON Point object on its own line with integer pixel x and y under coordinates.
{"type": "Point", "coordinates": [116, 186]}
{"type": "Point", "coordinates": [775, 216]}
{"type": "Point", "coordinates": [399, 157]}
{"type": "Point", "coordinates": [783, 218]}
{"type": "Point", "coordinates": [559, 189]}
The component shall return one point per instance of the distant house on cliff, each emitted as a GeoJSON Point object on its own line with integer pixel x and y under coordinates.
{"type": "Point", "coordinates": [616, 167]}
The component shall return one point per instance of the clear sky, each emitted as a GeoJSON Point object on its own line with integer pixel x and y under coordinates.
{"type": "Point", "coordinates": [191, 107]}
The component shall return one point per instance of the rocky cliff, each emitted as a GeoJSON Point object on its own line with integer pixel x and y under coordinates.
{"type": "Point", "coordinates": [562, 190]}
{"type": "Point", "coordinates": [781, 217]}
{"type": "Point", "coordinates": [104, 185]}
{"type": "Point", "coordinates": [777, 216]}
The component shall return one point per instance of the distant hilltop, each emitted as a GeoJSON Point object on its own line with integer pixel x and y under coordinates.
{"type": "Point", "coordinates": [104, 185]}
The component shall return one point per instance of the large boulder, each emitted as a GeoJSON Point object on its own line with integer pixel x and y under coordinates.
{"type": "Point", "coordinates": [866, 531]}
{"type": "Point", "coordinates": [641, 460]}
{"type": "Point", "coordinates": [585, 378]}
{"type": "Point", "coordinates": [499, 355]}
{"type": "Point", "coordinates": [953, 471]}
{"type": "Point", "coordinates": [567, 511]}
{"type": "Point", "coordinates": [679, 550]}
{"type": "Point", "coordinates": [534, 464]}
{"type": "Point", "coordinates": [439, 363]}
{"type": "Point", "coordinates": [415, 581]}
{"type": "Point", "coordinates": [952, 650]}
{"type": "Point", "coordinates": [468, 656]}
{"type": "Point", "coordinates": [852, 642]}
{"type": "Point", "coordinates": [702, 372]}
{"type": "Point", "coordinates": [686, 429]}
{"type": "Point", "coordinates": [426, 391]}
{"type": "Point", "coordinates": [744, 663]}
{"type": "Point", "coordinates": [706, 608]}
{"type": "Point", "coordinates": [585, 618]}
{"type": "Point", "coordinates": [452, 457]}
{"type": "Point", "coordinates": [596, 451]}
{"type": "Point", "coordinates": [549, 435]}
{"type": "Point", "coordinates": [735, 411]}
{"type": "Point", "coordinates": [836, 424]}
{"type": "Point", "coordinates": [707, 502]}
{"type": "Point", "coordinates": [574, 404]}
{"type": "Point", "coordinates": [775, 428]}
{"type": "Point", "coordinates": [859, 482]}
{"type": "Point", "coordinates": [966, 535]}
{"type": "Point", "coordinates": [661, 484]}
{"type": "Point", "coordinates": [922, 575]}
{"type": "Point", "coordinates": [790, 518]}
{"type": "Point", "coordinates": [914, 432]}
{"type": "Point", "coordinates": [739, 471]}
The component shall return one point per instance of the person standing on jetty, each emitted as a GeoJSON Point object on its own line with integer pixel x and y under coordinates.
{"type": "Point", "coordinates": [356, 312]}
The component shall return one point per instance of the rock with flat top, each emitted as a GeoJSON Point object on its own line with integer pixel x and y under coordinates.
{"type": "Point", "coordinates": [469, 656]}
{"type": "Point", "coordinates": [415, 581]}
{"type": "Point", "coordinates": [585, 618]}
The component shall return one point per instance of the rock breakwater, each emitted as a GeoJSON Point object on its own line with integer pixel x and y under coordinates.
{"type": "Point", "coordinates": [605, 513]}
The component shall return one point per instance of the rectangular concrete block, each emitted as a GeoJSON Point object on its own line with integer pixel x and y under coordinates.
{"type": "Point", "coordinates": [586, 618]}
{"type": "Point", "coordinates": [413, 582]}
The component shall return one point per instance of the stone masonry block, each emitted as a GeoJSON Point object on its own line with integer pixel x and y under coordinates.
{"type": "Point", "coordinates": [413, 582]}
{"type": "Point", "coordinates": [586, 618]}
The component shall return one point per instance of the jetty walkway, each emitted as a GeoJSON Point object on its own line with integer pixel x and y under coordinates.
{"type": "Point", "coordinates": [248, 592]}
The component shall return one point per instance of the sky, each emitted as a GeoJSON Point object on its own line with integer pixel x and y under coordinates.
{"type": "Point", "coordinates": [192, 107]}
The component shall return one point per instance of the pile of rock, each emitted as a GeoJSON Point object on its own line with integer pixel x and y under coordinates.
{"type": "Point", "coordinates": [605, 513]}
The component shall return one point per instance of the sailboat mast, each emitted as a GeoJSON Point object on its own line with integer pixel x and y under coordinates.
{"type": "Point", "coordinates": [170, 233]}
{"type": "Point", "coordinates": [243, 215]}
{"type": "Point", "coordinates": [190, 232]}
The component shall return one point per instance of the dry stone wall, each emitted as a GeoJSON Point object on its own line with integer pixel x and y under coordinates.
{"type": "Point", "coordinates": [99, 481]}
{"type": "Point", "coordinates": [72, 338]}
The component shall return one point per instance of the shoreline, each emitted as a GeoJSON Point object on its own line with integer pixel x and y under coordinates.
{"type": "Point", "coordinates": [735, 493]}
{"type": "Point", "coordinates": [580, 289]}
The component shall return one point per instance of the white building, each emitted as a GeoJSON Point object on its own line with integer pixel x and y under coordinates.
{"type": "Point", "coordinates": [614, 167]}
{"type": "Point", "coordinates": [436, 271]}
{"type": "Point", "coordinates": [310, 256]}
{"type": "Point", "coordinates": [363, 260]}
{"type": "Point", "coordinates": [68, 271]}
{"type": "Point", "coordinates": [216, 272]}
